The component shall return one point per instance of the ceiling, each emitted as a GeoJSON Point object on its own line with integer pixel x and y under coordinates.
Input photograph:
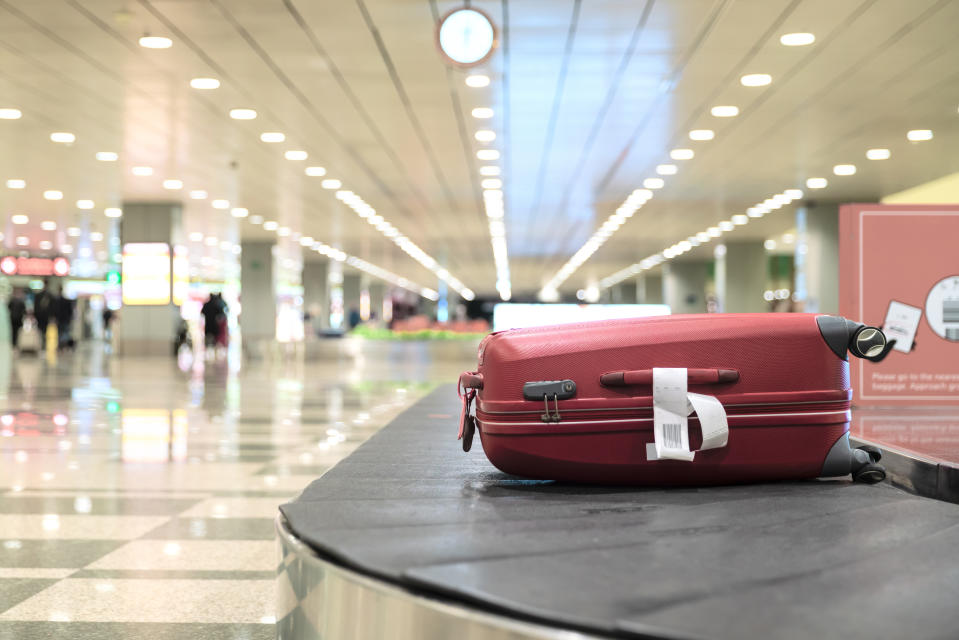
{"type": "Point", "coordinates": [588, 98]}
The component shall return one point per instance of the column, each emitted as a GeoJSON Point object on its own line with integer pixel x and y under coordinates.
{"type": "Point", "coordinates": [684, 286]}
{"type": "Point", "coordinates": [746, 270]}
{"type": "Point", "coordinates": [147, 325]}
{"type": "Point", "coordinates": [653, 288]}
{"type": "Point", "coordinates": [626, 293]}
{"type": "Point", "coordinates": [351, 294]}
{"type": "Point", "coordinates": [378, 292]}
{"type": "Point", "coordinates": [257, 298]}
{"type": "Point", "coordinates": [315, 299]}
{"type": "Point", "coordinates": [817, 258]}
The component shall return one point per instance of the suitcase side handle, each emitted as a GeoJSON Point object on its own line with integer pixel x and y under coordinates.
{"type": "Point", "coordinates": [645, 376]}
{"type": "Point", "coordinates": [471, 380]}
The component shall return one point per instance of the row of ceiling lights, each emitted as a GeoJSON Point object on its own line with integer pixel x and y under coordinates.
{"type": "Point", "coordinates": [68, 138]}
{"type": "Point", "coordinates": [404, 243]}
{"type": "Point", "coordinates": [758, 210]}
{"type": "Point", "coordinates": [719, 111]}
{"type": "Point", "coordinates": [640, 196]}
{"type": "Point", "coordinates": [493, 198]}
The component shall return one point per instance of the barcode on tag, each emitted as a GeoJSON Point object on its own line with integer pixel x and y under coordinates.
{"type": "Point", "coordinates": [672, 438]}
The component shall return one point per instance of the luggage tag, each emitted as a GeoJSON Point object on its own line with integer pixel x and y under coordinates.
{"type": "Point", "coordinates": [467, 421]}
{"type": "Point", "coordinates": [672, 405]}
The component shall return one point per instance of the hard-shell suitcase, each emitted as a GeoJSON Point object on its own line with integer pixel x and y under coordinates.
{"type": "Point", "coordinates": [576, 402]}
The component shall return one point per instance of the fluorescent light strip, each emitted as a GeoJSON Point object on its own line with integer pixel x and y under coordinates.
{"type": "Point", "coordinates": [625, 211]}
{"type": "Point", "coordinates": [373, 270]}
{"type": "Point", "coordinates": [756, 211]}
{"type": "Point", "coordinates": [365, 211]}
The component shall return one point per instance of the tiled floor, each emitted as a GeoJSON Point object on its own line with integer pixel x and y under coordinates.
{"type": "Point", "coordinates": [137, 499]}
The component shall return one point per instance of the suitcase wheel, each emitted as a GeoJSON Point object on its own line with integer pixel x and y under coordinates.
{"type": "Point", "coordinates": [869, 474]}
{"type": "Point", "coordinates": [875, 453]}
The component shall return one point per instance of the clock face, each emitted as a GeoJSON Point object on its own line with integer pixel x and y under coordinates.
{"type": "Point", "coordinates": [942, 308]}
{"type": "Point", "coordinates": [466, 36]}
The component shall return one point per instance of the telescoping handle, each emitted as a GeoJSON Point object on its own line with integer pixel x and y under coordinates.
{"type": "Point", "coordinates": [645, 377]}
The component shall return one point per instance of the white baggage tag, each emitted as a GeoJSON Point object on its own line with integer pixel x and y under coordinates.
{"type": "Point", "coordinates": [670, 422]}
{"type": "Point", "coordinates": [672, 405]}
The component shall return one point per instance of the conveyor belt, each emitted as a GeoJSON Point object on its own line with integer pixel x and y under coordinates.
{"type": "Point", "coordinates": [796, 560]}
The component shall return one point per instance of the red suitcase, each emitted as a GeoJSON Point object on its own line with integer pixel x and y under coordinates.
{"type": "Point", "coordinates": [575, 402]}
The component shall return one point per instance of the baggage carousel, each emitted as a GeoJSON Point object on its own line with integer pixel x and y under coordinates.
{"type": "Point", "coordinates": [409, 537]}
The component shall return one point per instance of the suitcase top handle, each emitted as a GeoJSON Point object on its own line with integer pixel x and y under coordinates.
{"type": "Point", "coordinates": [645, 376]}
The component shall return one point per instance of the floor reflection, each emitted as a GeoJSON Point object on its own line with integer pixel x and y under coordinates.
{"type": "Point", "coordinates": [137, 491]}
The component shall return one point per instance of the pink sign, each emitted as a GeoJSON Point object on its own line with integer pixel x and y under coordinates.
{"type": "Point", "coordinates": [899, 270]}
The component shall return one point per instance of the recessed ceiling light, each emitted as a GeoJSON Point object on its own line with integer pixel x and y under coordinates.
{"type": "Point", "coordinates": [254, 219]}
{"type": "Point", "coordinates": [10, 114]}
{"type": "Point", "coordinates": [107, 156]}
{"type": "Point", "coordinates": [205, 83]}
{"type": "Point", "coordinates": [22, 241]}
{"type": "Point", "coordinates": [726, 225]}
{"type": "Point", "coordinates": [96, 236]}
{"type": "Point", "coordinates": [789, 238]}
{"type": "Point", "coordinates": [331, 183]}
{"type": "Point", "coordinates": [74, 232]}
{"type": "Point", "coordinates": [221, 204]}
{"type": "Point", "coordinates": [243, 114]}
{"type": "Point", "coordinates": [113, 212]}
{"type": "Point", "coordinates": [485, 135]}
{"type": "Point", "coordinates": [272, 136]}
{"type": "Point", "coordinates": [756, 79]}
{"type": "Point", "coordinates": [487, 154]}
{"type": "Point", "coordinates": [173, 184]}
{"type": "Point", "coordinates": [210, 241]}
{"type": "Point", "coordinates": [878, 154]}
{"type": "Point", "coordinates": [793, 194]}
{"type": "Point", "coordinates": [477, 80]}
{"type": "Point", "coordinates": [48, 225]}
{"type": "Point", "coordinates": [769, 245]}
{"type": "Point", "coordinates": [653, 183]}
{"type": "Point", "coordinates": [482, 113]}
{"type": "Point", "coordinates": [64, 137]}
{"type": "Point", "coordinates": [283, 231]}
{"type": "Point", "coordinates": [740, 219]}
{"type": "Point", "coordinates": [66, 248]}
{"type": "Point", "coordinates": [198, 194]}
{"type": "Point", "coordinates": [755, 212]}
{"type": "Point", "coordinates": [817, 183]}
{"type": "Point", "coordinates": [16, 184]}
{"type": "Point", "coordinates": [53, 194]}
{"type": "Point", "coordinates": [666, 169]}
{"type": "Point", "coordinates": [797, 39]}
{"type": "Point", "coordinates": [315, 172]}
{"type": "Point", "coordinates": [155, 42]}
{"type": "Point", "coordinates": [196, 236]}
{"type": "Point", "coordinates": [489, 171]}
{"type": "Point", "coordinates": [724, 111]}
{"type": "Point", "coordinates": [271, 225]}
{"type": "Point", "coordinates": [239, 212]}
{"type": "Point", "coordinates": [492, 183]}
{"type": "Point", "coordinates": [142, 171]}
{"type": "Point", "coordinates": [295, 154]}
{"type": "Point", "coordinates": [85, 204]}
{"type": "Point", "coordinates": [918, 135]}
{"type": "Point", "coordinates": [844, 169]}
{"type": "Point", "coordinates": [702, 134]}
{"type": "Point", "coordinates": [19, 218]}
{"type": "Point", "coordinates": [46, 245]}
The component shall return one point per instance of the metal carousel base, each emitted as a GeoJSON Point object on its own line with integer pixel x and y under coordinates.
{"type": "Point", "coordinates": [318, 599]}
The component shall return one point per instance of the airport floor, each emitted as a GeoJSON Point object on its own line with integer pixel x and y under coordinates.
{"type": "Point", "coordinates": [137, 498]}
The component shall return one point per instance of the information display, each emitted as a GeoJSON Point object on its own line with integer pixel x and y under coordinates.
{"type": "Point", "coordinates": [899, 270]}
{"type": "Point", "coordinates": [146, 273]}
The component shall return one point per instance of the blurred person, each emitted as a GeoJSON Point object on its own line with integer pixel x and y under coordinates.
{"type": "Point", "coordinates": [63, 312]}
{"type": "Point", "coordinates": [354, 317]}
{"type": "Point", "coordinates": [214, 312]}
{"type": "Point", "coordinates": [43, 309]}
{"type": "Point", "coordinates": [108, 316]}
{"type": "Point", "coordinates": [17, 308]}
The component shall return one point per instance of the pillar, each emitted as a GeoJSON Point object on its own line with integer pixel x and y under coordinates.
{"type": "Point", "coordinates": [817, 258]}
{"type": "Point", "coordinates": [684, 286]}
{"type": "Point", "coordinates": [258, 299]}
{"type": "Point", "coordinates": [746, 269]}
{"type": "Point", "coordinates": [351, 293]}
{"type": "Point", "coordinates": [315, 299]}
{"type": "Point", "coordinates": [626, 293]}
{"type": "Point", "coordinates": [378, 291]}
{"type": "Point", "coordinates": [653, 288]}
{"type": "Point", "coordinates": [149, 329]}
